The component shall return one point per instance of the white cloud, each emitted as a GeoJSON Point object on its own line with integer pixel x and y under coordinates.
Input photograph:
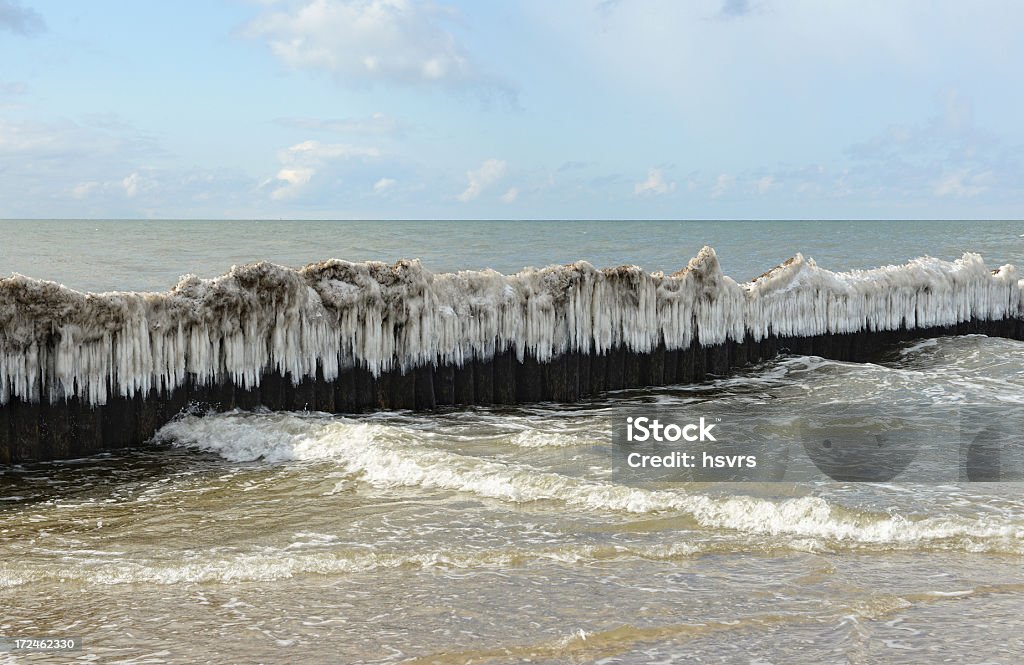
{"type": "Point", "coordinates": [722, 185]}
{"type": "Point", "coordinates": [945, 156]}
{"type": "Point", "coordinates": [958, 112]}
{"type": "Point", "coordinates": [511, 195]}
{"type": "Point", "coordinates": [296, 179]}
{"type": "Point", "coordinates": [84, 189]}
{"type": "Point", "coordinates": [491, 171]}
{"type": "Point", "coordinates": [136, 183]}
{"type": "Point", "coordinates": [131, 185]}
{"type": "Point", "coordinates": [655, 184]}
{"type": "Point", "coordinates": [302, 161]}
{"type": "Point", "coordinates": [376, 124]}
{"type": "Point", "coordinates": [962, 185]}
{"type": "Point", "coordinates": [315, 151]}
{"type": "Point", "coordinates": [364, 41]}
{"type": "Point", "coordinates": [95, 167]}
{"type": "Point", "coordinates": [764, 184]}
{"type": "Point", "coordinates": [383, 185]}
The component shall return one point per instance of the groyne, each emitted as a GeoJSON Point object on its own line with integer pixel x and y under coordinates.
{"type": "Point", "coordinates": [83, 372]}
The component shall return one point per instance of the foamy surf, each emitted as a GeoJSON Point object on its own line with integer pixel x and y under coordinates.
{"type": "Point", "coordinates": [201, 567]}
{"type": "Point", "coordinates": [387, 456]}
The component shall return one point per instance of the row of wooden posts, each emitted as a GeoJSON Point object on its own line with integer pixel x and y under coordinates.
{"type": "Point", "coordinates": [72, 428]}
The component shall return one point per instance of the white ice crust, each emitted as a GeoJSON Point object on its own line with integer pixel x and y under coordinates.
{"type": "Point", "coordinates": [56, 342]}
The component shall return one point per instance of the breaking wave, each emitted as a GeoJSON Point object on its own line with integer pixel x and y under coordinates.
{"type": "Point", "coordinates": [205, 566]}
{"type": "Point", "coordinates": [388, 456]}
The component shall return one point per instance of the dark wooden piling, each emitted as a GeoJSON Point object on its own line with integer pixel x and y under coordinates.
{"type": "Point", "coordinates": [555, 379]}
{"type": "Point", "coordinates": [272, 390]}
{"type": "Point", "coordinates": [55, 430]}
{"type": "Point", "coordinates": [222, 396]}
{"type": "Point", "coordinates": [300, 395]}
{"type": "Point", "coordinates": [598, 373]}
{"type": "Point", "coordinates": [796, 346]}
{"type": "Point", "coordinates": [583, 362]}
{"type": "Point", "coordinates": [248, 394]}
{"type": "Point", "coordinates": [25, 441]}
{"type": "Point", "coordinates": [444, 385]}
{"type": "Point", "coordinates": [684, 373]}
{"type": "Point", "coordinates": [365, 388]}
{"type": "Point", "coordinates": [87, 432]}
{"type": "Point", "coordinates": [465, 390]}
{"type": "Point", "coordinates": [614, 378]}
{"type": "Point", "coordinates": [632, 375]}
{"type": "Point", "coordinates": [652, 366]}
{"type": "Point", "coordinates": [843, 345]}
{"type": "Point", "coordinates": [176, 402]}
{"type": "Point", "coordinates": [561, 376]}
{"type": "Point", "coordinates": [821, 345]}
{"type": "Point", "coordinates": [529, 380]}
{"type": "Point", "coordinates": [5, 434]}
{"type": "Point", "coordinates": [403, 389]}
{"type": "Point", "coordinates": [700, 363]}
{"type": "Point", "coordinates": [505, 377]}
{"type": "Point", "coordinates": [1008, 328]}
{"type": "Point", "coordinates": [151, 415]}
{"type": "Point", "coordinates": [382, 392]}
{"type": "Point", "coordinates": [737, 354]}
{"type": "Point", "coordinates": [324, 392]}
{"type": "Point", "coordinates": [345, 400]}
{"type": "Point", "coordinates": [671, 367]}
{"type": "Point", "coordinates": [118, 422]}
{"type": "Point", "coordinates": [247, 397]}
{"type": "Point", "coordinates": [572, 376]}
{"type": "Point", "coordinates": [198, 395]}
{"type": "Point", "coordinates": [424, 378]}
{"type": "Point", "coordinates": [483, 381]}
{"type": "Point", "coordinates": [717, 359]}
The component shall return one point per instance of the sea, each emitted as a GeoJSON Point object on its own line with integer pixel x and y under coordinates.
{"type": "Point", "coordinates": [502, 534]}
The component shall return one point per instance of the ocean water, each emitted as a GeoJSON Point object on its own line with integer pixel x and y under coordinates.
{"type": "Point", "coordinates": [499, 535]}
{"type": "Point", "coordinates": [104, 255]}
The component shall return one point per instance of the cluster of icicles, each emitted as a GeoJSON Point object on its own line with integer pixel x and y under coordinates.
{"type": "Point", "coordinates": [56, 342]}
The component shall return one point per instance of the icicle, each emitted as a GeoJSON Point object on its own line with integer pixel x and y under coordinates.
{"type": "Point", "coordinates": [56, 342]}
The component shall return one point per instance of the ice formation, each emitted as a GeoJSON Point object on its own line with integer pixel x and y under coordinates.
{"type": "Point", "coordinates": [56, 342]}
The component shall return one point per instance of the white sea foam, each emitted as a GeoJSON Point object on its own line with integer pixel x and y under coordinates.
{"type": "Point", "coordinates": [919, 346]}
{"type": "Point", "coordinates": [56, 342]}
{"type": "Point", "coordinates": [388, 456]}
{"type": "Point", "coordinates": [272, 564]}
{"type": "Point", "coordinates": [535, 438]}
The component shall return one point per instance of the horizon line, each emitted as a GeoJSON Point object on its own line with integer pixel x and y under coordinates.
{"type": "Point", "coordinates": [503, 219]}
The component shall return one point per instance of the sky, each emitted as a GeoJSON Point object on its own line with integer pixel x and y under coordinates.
{"type": "Point", "coordinates": [546, 109]}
